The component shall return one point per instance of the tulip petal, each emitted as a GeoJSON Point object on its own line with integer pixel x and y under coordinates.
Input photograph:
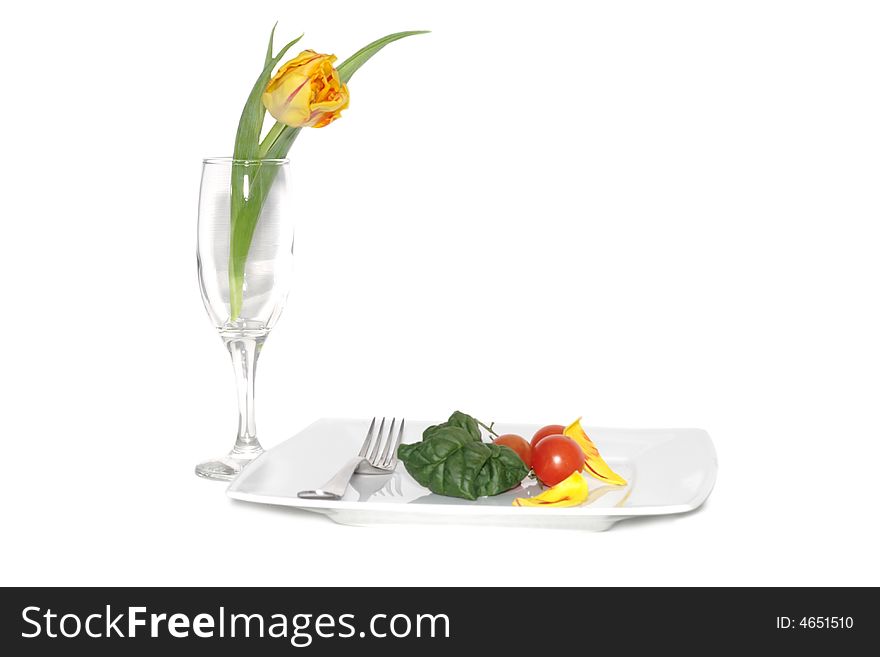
{"type": "Point", "coordinates": [594, 463]}
{"type": "Point", "coordinates": [572, 491]}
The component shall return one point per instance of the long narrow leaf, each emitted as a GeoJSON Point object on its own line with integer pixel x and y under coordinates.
{"type": "Point", "coordinates": [271, 50]}
{"type": "Point", "coordinates": [245, 211]}
{"type": "Point", "coordinates": [353, 63]}
{"type": "Point", "coordinates": [247, 139]}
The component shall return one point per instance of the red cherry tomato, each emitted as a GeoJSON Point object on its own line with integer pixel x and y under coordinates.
{"type": "Point", "coordinates": [519, 445]}
{"type": "Point", "coordinates": [555, 458]}
{"type": "Point", "coordinates": [543, 432]}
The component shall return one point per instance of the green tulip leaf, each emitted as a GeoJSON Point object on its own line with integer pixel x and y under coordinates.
{"type": "Point", "coordinates": [349, 66]}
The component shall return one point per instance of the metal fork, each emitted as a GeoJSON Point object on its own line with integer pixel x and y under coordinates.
{"type": "Point", "coordinates": [378, 456]}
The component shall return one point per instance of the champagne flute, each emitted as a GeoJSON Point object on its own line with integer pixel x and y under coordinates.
{"type": "Point", "coordinates": [245, 258]}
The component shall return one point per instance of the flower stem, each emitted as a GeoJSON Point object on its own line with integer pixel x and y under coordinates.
{"type": "Point", "coordinates": [488, 427]}
{"type": "Point", "coordinates": [270, 138]}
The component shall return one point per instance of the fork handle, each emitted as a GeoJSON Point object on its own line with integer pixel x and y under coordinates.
{"type": "Point", "coordinates": [335, 488]}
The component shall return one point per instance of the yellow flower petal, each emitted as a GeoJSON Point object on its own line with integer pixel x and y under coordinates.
{"type": "Point", "coordinates": [572, 491]}
{"type": "Point", "coordinates": [595, 465]}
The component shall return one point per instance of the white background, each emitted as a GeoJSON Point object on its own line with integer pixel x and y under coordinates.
{"type": "Point", "coordinates": [649, 213]}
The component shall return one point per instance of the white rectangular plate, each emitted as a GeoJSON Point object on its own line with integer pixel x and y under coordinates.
{"type": "Point", "coordinates": [668, 470]}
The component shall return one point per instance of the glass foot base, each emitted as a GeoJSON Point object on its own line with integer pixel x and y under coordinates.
{"type": "Point", "coordinates": [225, 468]}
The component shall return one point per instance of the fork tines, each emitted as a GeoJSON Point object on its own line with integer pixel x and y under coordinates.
{"type": "Point", "coordinates": [380, 447]}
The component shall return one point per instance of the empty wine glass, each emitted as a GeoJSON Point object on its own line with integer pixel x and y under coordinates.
{"type": "Point", "coordinates": [245, 244]}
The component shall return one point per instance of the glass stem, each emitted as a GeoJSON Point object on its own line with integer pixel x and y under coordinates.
{"type": "Point", "coordinates": [244, 352]}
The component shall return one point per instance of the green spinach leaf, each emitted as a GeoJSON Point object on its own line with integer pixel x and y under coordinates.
{"type": "Point", "coordinates": [457, 419]}
{"type": "Point", "coordinates": [503, 470]}
{"type": "Point", "coordinates": [451, 461]}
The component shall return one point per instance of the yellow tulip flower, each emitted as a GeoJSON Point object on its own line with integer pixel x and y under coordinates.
{"type": "Point", "coordinates": [306, 91]}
